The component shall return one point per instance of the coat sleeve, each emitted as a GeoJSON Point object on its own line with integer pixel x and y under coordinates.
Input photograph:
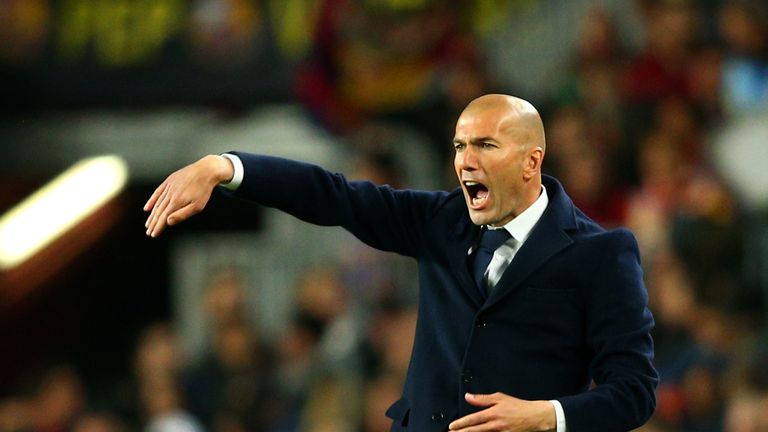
{"type": "Point", "coordinates": [380, 216]}
{"type": "Point", "coordinates": [618, 324]}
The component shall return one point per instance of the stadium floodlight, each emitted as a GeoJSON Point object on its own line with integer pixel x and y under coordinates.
{"type": "Point", "coordinates": [58, 206]}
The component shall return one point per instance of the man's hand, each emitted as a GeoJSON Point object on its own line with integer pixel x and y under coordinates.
{"type": "Point", "coordinates": [185, 192]}
{"type": "Point", "coordinates": [505, 413]}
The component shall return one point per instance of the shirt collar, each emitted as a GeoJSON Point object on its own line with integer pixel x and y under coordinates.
{"type": "Point", "coordinates": [521, 226]}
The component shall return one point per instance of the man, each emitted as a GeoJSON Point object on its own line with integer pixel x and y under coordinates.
{"type": "Point", "coordinates": [510, 345]}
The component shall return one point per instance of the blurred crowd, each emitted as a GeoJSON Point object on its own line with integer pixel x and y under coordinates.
{"type": "Point", "coordinates": [629, 129]}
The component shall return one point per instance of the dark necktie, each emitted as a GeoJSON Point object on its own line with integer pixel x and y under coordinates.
{"type": "Point", "coordinates": [490, 240]}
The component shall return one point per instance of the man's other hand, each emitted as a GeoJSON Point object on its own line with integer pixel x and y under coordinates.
{"type": "Point", "coordinates": [506, 413]}
{"type": "Point", "coordinates": [185, 192]}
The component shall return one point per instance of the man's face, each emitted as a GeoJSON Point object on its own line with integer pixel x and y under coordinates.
{"type": "Point", "coordinates": [491, 164]}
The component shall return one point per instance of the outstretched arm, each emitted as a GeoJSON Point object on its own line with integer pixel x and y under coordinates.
{"type": "Point", "coordinates": [382, 217]}
{"type": "Point", "coordinates": [185, 192]}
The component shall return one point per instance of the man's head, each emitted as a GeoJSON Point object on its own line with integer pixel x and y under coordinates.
{"type": "Point", "coordinates": [499, 145]}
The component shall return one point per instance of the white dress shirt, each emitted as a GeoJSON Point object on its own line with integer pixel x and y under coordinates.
{"type": "Point", "coordinates": [519, 228]}
{"type": "Point", "coordinates": [237, 178]}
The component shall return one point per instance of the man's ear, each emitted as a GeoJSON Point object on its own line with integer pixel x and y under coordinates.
{"type": "Point", "coordinates": [533, 162]}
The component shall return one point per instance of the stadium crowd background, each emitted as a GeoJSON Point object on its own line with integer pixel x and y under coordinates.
{"type": "Point", "coordinates": [657, 119]}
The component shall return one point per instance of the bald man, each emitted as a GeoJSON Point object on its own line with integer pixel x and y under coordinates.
{"type": "Point", "coordinates": [531, 316]}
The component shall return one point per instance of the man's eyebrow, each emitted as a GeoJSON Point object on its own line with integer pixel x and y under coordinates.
{"type": "Point", "coordinates": [475, 140]}
{"type": "Point", "coordinates": [483, 139]}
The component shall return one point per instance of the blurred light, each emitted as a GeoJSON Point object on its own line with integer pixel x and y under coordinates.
{"type": "Point", "coordinates": [740, 156]}
{"type": "Point", "coordinates": [58, 206]}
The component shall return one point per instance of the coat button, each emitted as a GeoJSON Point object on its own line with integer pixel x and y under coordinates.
{"type": "Point", "coordinates": [437, 417]}
{"type": "Point", "coordinates": [466, 376]}
{"type": "Point", "coordinates": [480, 323]}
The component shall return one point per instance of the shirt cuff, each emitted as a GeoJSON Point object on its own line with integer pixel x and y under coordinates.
{"type": "Point", "coordinates": [559, 416]}
{"type": "Point", "coordinates": [237, 178]}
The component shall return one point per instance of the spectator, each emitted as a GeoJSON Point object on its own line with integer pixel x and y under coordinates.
{"type": "Point", "coordinates": [97, 421]}
{"type": "Point", "coordinates": [233, 385]}
{"type": "Point", "coordinates": [744, 27]}
{"type": "Point", "coordinates": [414, 62]}
{"type": "Point", "coordinates": [60, 398]}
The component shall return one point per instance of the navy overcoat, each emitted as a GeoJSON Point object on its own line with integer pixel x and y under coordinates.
{"type": "Point", "coordinates": [568, 320]}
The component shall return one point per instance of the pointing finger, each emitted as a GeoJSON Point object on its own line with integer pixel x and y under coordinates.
{"type": "Point", "coordinates": [155, 195]}
{"type": "Point", "coordinates": [157, 210]}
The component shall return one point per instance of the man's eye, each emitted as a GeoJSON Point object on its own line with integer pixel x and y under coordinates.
{"type": "Point", "coordinates": [459, 146]}
{"type": "Point", "coordinates": [486, 145]}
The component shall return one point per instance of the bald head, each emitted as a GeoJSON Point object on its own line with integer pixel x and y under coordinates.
{"type": "Point", "coordinates": [518, 117]}
{"type": "Point", "coordinates": [499, 145]}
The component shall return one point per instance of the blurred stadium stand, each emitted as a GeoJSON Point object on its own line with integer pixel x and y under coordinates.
{"type": "Point", "coordinates": [245, 319]}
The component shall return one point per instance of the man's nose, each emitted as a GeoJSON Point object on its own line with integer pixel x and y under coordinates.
{"type": "Point", "coordinates": [468, 159]}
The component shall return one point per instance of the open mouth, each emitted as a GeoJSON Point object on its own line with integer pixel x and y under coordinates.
{"type": "Point", "coordinates": [477, 192]}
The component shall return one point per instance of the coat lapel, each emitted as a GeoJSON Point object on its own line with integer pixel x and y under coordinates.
{"type": "Point", "coordinates": [465, 235]}
{"type": "Point", "coordinates": [548, 237]}
{"type": "Point", "coordinates": [540, 246]}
